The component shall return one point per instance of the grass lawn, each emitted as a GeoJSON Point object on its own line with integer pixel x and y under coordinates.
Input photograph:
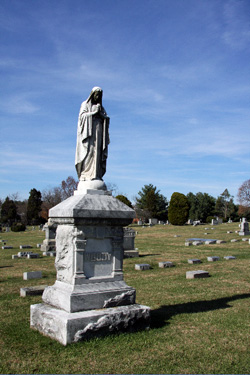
{"type": "Point", "coordinates": [198, 326]}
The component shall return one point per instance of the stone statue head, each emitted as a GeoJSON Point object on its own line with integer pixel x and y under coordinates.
{"type": "Point", "coordinates": [95, 95]}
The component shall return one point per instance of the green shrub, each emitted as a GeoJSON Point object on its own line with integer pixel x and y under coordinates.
{"type": "Point", "coordinates": [209, 219]}
{"type": "Point", "coordinates": [18, 227]}
{"type": "Point", "coordinates": [178, 209]}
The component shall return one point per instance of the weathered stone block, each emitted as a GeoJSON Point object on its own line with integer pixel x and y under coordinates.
{"type": "Point", "coordinates": [32, 290]}
{"type": "Point", "coordinates": [25, 247]}
{"type": "Point", "coordinates": [234, 240]}
{"type": "Point", "coordinates": [7, 247]}
{"type": "Point", "coordinates": [142, 267]}
{"type": "Point", "coordinates": [131, 253]}
{"type": "Point", "coordinates": [213, 259]}
{"type": "Point", "coordinates": [32, 275]}
{"type": "Point", "coordinates": [197, 243]}
{"type": "Point", "coordinates": [165, 264]}
{"type": "Point", "coordinates": [220, 241]}
{"type": "Point", "coordinates": [196, 274]}
{"type": "Point", "coordinates": [31, 256]}
{"type": "Point", "coordinates": [68, 328]}
{"type": "Point", "coordinates": [229, 257]}
{"type": "Point", "coordinates": [194, 261]}
{"type": "Point", "coordinates": [210, 242]}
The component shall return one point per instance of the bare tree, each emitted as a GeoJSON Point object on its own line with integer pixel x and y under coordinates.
{"type": "Point", "coordinates": [244, 198]}
{"type": "Point", "coordinates": [68, 187]}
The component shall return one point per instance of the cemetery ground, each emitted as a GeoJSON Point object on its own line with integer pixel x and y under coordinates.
{"type": "Point", "coordinates": [198, 325]}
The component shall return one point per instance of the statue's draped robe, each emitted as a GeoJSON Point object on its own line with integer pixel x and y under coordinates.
{"type": "Point", "coordinates": [92, 143]}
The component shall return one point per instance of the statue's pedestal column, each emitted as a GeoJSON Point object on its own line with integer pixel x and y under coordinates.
{"type": "Point", "coordinates": [89, 297]}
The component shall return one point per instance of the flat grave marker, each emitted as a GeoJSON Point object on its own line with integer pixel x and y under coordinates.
{"type": "Point", "coordinates": [142, 267]}
{"type": "Point", "coordinates": [32, 275]}
{"type": "Point", "coordinates": [165, 264]}
{"type": "Point", "coordinates": [32, 290]}
{"type": "Point", "coordinates": [194, 261]}
{"type": "Point", "coordinates": [196, 274]}
{"type": "Point", "coordinates": [213, 259]}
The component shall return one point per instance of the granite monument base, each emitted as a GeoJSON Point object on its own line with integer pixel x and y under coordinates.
{"type": "Point", "coordinates": [68, 328]}
{"type": "Point", "coordinates": [89, 297]}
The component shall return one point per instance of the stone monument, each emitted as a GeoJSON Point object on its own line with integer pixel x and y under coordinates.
{"type": "Point", "coordinates": [89, 297]}
{"type": "Point", "coordinates": [129, 243]}
{"type": "Point", "coordinates": [244, 228]}
{"type": "Point", "coordinates": [49, 244]}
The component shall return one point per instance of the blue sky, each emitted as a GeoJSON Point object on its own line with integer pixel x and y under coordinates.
{"type": "Point", "coordinates": [176, 81]}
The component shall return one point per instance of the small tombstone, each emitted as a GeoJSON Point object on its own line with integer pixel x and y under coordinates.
{"type": "Point", "coordinates": [177, 235]}
{"type": "Point", "coordinates": [229, 231]}
{"type": "Point", "coordinates": [213, 259]}
{"type": "Point", "coordinates": [38, 245]}
{"type": "Point", "coordinates": [197, 243]}
{"type": "Point", "coordinates": [14, 256]}
{"type": "Point", "coordinates": [24, 254]}
{"type": "Point", "coordinates": [7, 229]}
{"type": "Point", "coordinates": [244, 239]}
{"type": "Point", "coordinates": [220, 241]}
{"type": "Point", "coordinates": [25, 247]}
{"type": "Point", "coordinates": [234, 240]}
{"type": "Point", "coordinates": [32, 290]}
{"type": "Point", "coordinates": [139, 222]}
{"type": "Point", "coordinates": [196, 274]}
{"type": "Point", "coordinates": [31, 256]}
{"type": "Point", "coordinates": [49, 244]}
{"type": "Point", "coordinates": [165, 264]}
{"type": "Point", "coordinates": [153, 221]}
{"type": "Point", "coordinates": [7, 247]}
{"type": "Point", "coordinates": [244, 228]}
{"type": "Point", "coordinates": [142, 267]}
{"type": "Point", "coordinates": [32, 275]}
{"type": "Point", "coordinates": [210, 242]}
{"type": "Point", "coordinates": [52, 253]}
{"type": "Point", "coordinates": [188, 243]}
{"type": "Point", "coordinates": [194, 261]}
{"type": "Point", "coordinates": [229, 257]}
{"type": "Point", "coordinates": [214, 222]}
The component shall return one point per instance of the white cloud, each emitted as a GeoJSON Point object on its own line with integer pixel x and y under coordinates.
{"type": "Point", "coordinates": [19, 104]}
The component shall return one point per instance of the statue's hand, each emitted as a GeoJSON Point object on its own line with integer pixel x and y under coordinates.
{"type": "Point", "coordinates": [96, 108]}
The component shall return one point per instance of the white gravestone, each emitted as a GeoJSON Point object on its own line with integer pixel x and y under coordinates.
{"type": "Point", "coordinates": [244, 228]}
{"type": "Point", "coordinates": [90, 297]}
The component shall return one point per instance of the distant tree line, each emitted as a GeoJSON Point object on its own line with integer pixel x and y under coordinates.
{"type": "Point", "coordinates": [149, 203]}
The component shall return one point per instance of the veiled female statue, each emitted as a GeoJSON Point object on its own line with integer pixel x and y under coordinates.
{"type": "Point", "coordinates": [92, 138]}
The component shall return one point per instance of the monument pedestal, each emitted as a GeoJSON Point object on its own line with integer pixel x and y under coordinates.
{"type": "Point", "coordinates": [89, 297]}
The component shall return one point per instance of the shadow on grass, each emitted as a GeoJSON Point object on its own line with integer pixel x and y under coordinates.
{"type": "Point", "coordinates": [5, 266]}
{"type": "Point", "coordinates": [160, 317]}
{"type": "Point", "coordinates": [147, 255]}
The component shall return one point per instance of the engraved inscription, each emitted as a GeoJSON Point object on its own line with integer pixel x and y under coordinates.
{"type": "Point", "coordinates": [97, 257]}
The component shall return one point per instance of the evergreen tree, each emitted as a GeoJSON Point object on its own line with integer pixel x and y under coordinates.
{"type": "Point", "coordinates": [34, 207]}
{"type": "Point", "coordinates": [124, 200]}
{"type": "Point", "coordinates": [178, 209]}
{"type": "Point", "coordinates": [9, 212]}
{"type": "Point", "coordinates": [201, 206]}
{"type": "Point", "coordinates": [152, 202]}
